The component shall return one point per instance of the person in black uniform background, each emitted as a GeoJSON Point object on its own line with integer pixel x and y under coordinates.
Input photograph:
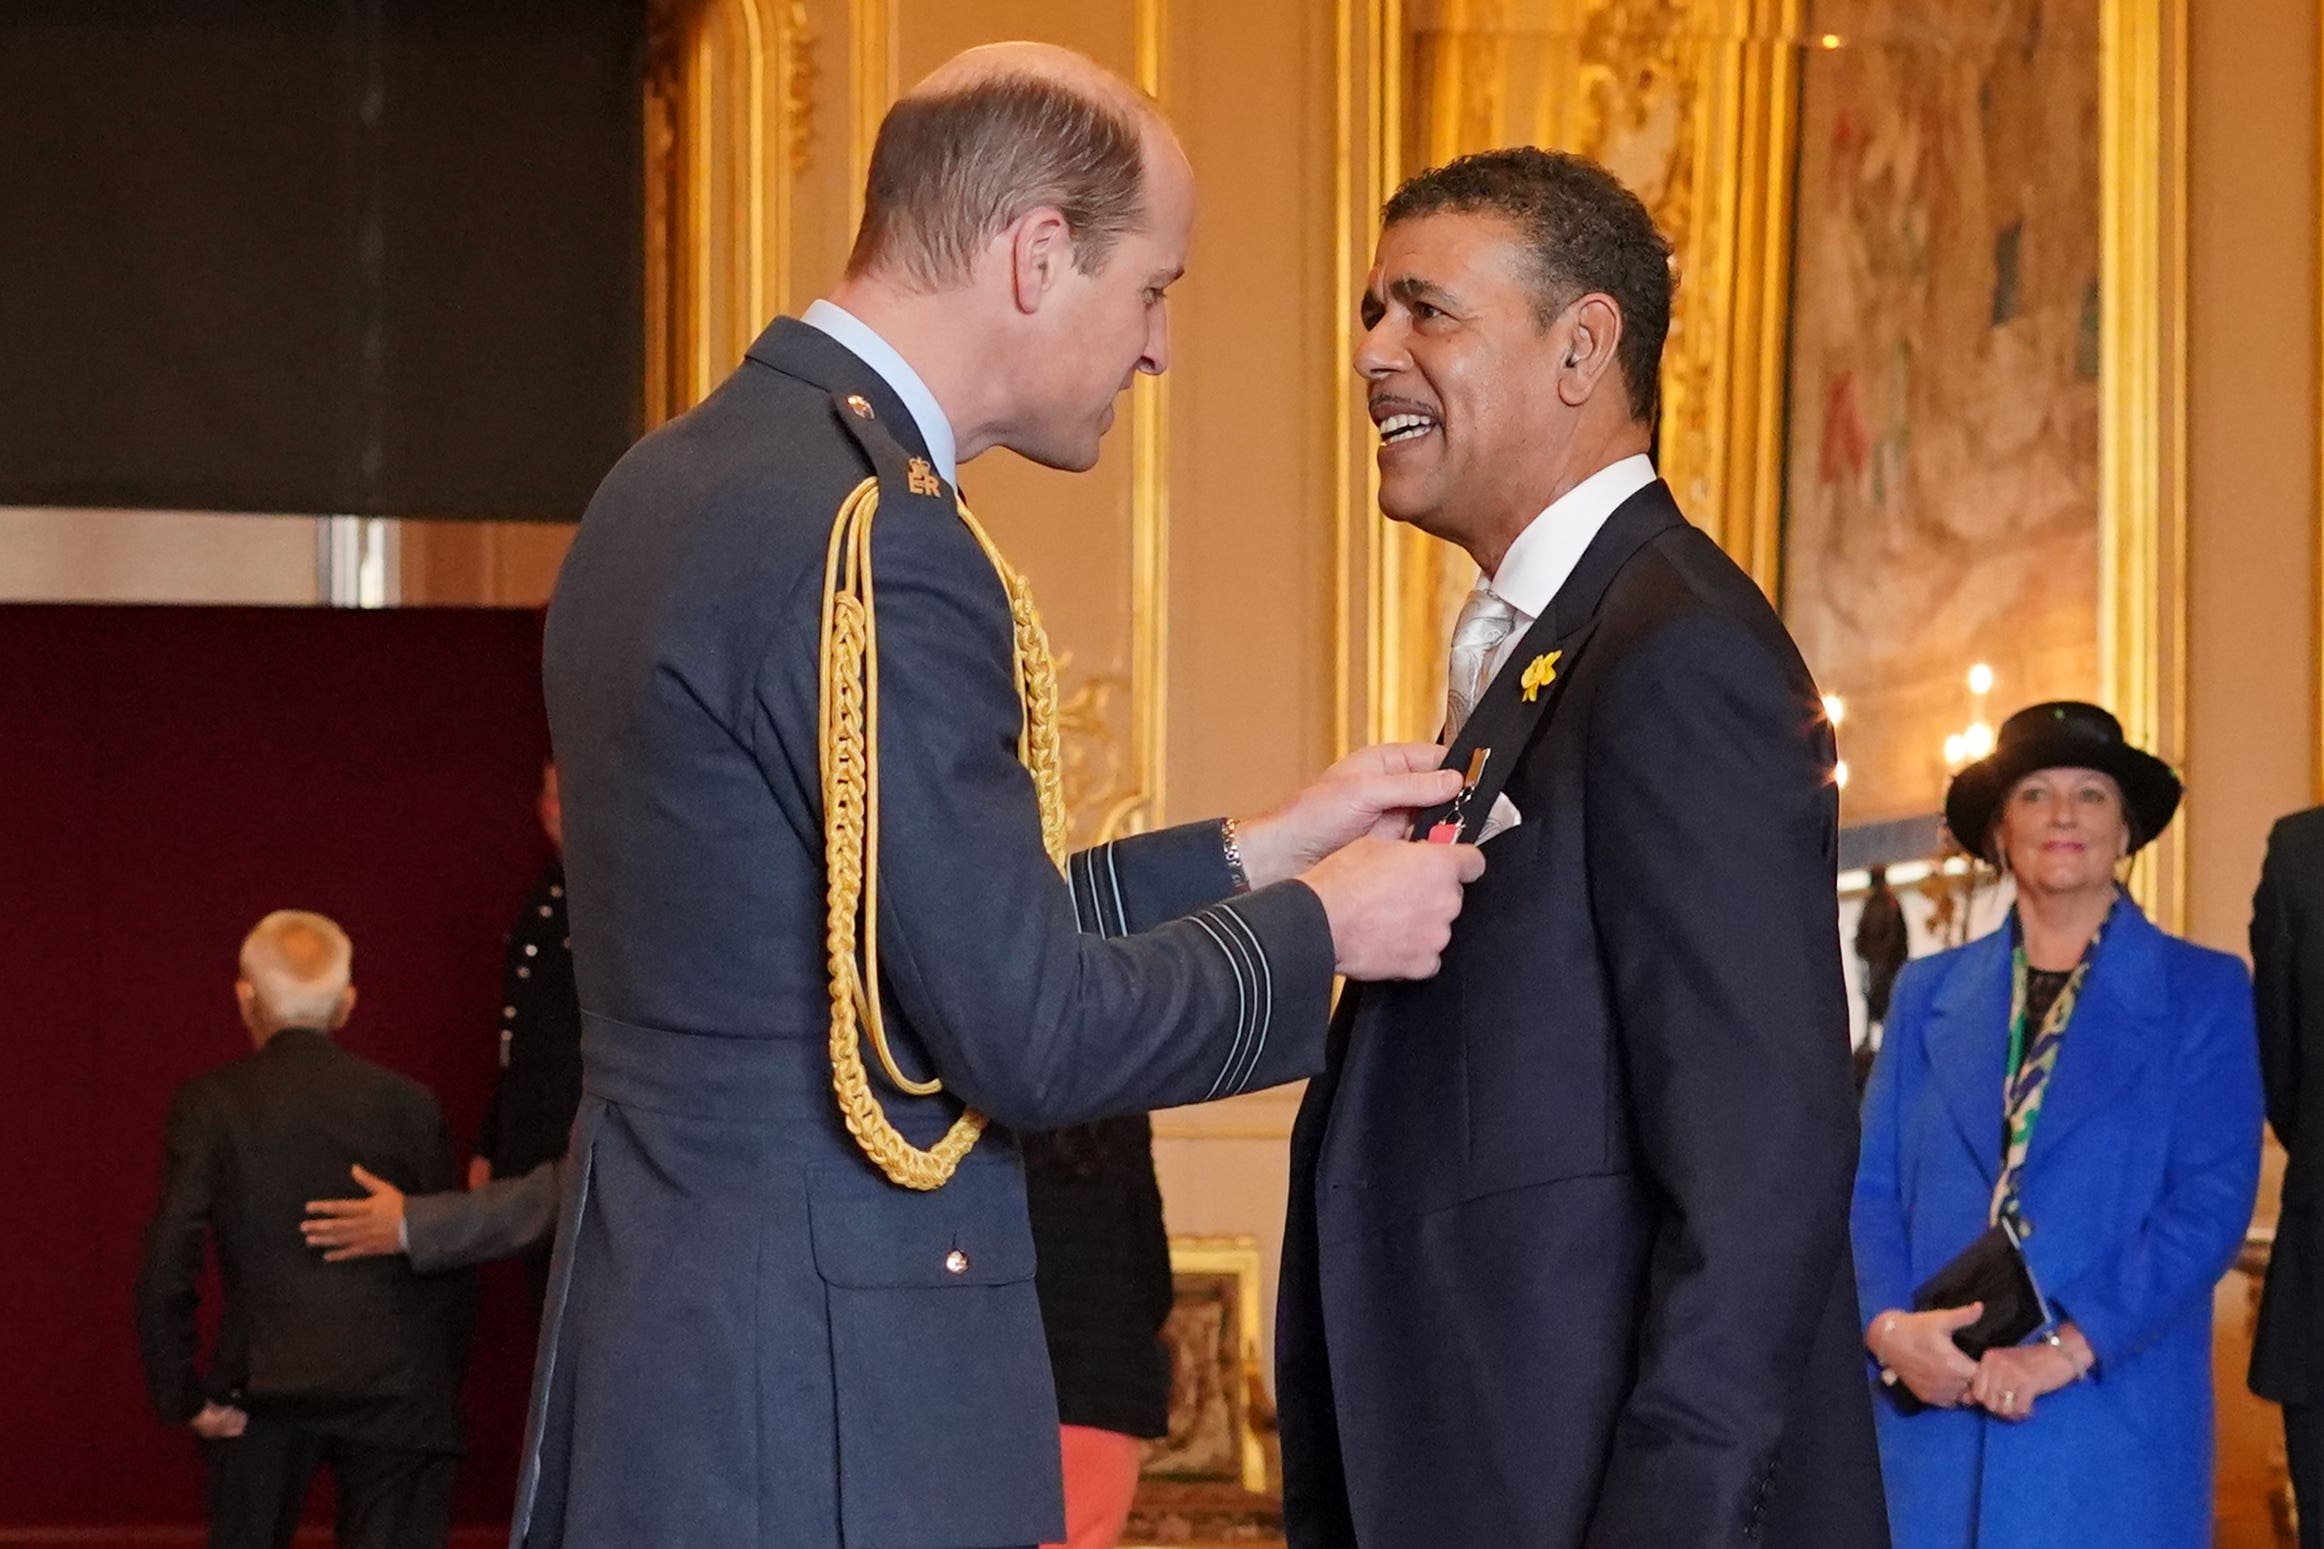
{"type": "Point", "coordinates": [353, 1366]}
{"type": "Point", "coordinates": [540, 1027]}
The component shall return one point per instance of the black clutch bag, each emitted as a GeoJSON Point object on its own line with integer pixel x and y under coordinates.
{"type": "Point", "coordinates": [1991, 1270]}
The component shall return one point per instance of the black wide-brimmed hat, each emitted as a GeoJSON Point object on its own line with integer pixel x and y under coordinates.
{"type": "Point", "coordinates": [2063, 734]}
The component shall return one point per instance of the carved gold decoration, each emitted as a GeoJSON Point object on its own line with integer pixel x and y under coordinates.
{"type": "Point", "coordinates": [799, 88]}
{"type": "Point", "coordinates": [1102, 788]}
{"type": "Point", "coordinates": [728, 125]}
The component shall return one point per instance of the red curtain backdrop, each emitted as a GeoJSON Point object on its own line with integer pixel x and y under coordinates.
{"type": "Point", "coordinates": [168, 775]}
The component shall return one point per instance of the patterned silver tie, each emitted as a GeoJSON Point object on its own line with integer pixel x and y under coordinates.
{"type": "Point", "coordinates": [1484, 623]}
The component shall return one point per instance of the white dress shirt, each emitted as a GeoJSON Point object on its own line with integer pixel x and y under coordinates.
{"type": "Point", "coordinates": [859, 339]}
{"type": "Point", "coordinates": [1546, 552]}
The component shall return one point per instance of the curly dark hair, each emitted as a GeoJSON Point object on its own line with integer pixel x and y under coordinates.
{"type": "Point", "coordinates": [1584, 231]}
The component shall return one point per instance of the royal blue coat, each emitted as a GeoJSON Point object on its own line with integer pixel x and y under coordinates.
{"type": "Point", "coordinates": [2139, 1187]}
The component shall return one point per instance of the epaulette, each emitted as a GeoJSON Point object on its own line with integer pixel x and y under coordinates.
{"type": "Point", "coordinates": [905, 477]}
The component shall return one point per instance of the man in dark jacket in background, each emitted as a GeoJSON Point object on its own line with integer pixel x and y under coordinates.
{"type": "Point", "coordinates": [2287, 959]}
{"type": "Point", "coordinates": [354, 1366]}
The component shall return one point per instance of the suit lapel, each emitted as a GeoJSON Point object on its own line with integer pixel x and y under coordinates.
{"type": "Point", "coordinates": [1968, 1046]}
{"type": "Point", "coordinates": [1507, 715]}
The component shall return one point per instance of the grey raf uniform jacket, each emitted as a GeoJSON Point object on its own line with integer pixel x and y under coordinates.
{"type": "Point", "coordinates": [752, 1338]}
{"type": "Point", "coordinates": [498, 1219]}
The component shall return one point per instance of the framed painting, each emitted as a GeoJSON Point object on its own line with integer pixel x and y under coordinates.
{"type": "Point", "coordinates": [1213, 1337]}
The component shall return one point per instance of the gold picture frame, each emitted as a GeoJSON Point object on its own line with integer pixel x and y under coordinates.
{"type": "Point", "coordinates": [1213, 1337]}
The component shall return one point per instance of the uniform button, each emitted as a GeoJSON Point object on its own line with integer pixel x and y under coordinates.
{"type": "Point", "coordinates": [545, 911]}
{"type": "Point", "coordinates": [568, 943]}
{"type": "Point", "coordinates": [507, 1012]}
{"type": "Point", "coordinates": [956, 1263]}
{"type": "Point", "coordinates": [556, 892]}
{"type": "Point", "coordinates": [524, 973]}
{"type": "Point", "coordinates": [531, 950]}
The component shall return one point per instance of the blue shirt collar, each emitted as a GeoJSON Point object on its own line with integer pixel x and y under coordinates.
{"type": "Point", "coordinates": [857, 336]}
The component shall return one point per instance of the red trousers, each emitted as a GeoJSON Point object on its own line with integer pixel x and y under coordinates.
{"type": "Point", "coordinates": [1101, 1476]}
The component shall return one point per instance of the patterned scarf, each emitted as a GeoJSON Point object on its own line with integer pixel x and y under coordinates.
{"type": "Point", "coordinates": [2027, 1080]}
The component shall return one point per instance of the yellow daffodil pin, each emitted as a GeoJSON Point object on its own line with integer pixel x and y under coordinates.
{"type": "Point", "coordinates": [1540, 673]}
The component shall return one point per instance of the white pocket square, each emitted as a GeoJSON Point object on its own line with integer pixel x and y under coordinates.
{"type": "Point", "coordinates": [1502, 818]}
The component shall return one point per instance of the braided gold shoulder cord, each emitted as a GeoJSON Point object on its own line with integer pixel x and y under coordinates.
{"type": "Point", "coordinates": [849, 738]}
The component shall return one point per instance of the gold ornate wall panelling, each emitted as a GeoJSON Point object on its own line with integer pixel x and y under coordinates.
{"type": "Point", "coordinates": [729, 104]}
{"type": "Point", "coordinates": [2143, 396]}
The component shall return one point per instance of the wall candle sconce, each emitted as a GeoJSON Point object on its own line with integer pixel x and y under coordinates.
{"type": "Point", "coordinates": [1974, 741]}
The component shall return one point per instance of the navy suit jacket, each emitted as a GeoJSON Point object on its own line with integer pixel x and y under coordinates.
{"type": "Point", "coordinates": [752, 1338]}
{"type": "Point", "coordinates": [1567, 1260]}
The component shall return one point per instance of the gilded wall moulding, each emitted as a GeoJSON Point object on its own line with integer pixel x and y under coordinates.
{"type": "Point", "coordinates": [799, 79]}
{"type": "Point", "coordinates": [729, 128]}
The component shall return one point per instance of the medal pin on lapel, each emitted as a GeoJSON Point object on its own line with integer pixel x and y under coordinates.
{"type": "Point", "coordinates": [1448, 830]}
{"type": "Point", "coordinates": [1540, 673]}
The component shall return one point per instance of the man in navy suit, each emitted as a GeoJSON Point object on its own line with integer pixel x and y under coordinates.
{"type": "Point", "coordinates": [753, 1336]}
{"type": "Point", "coordinates": [1567, 1262]}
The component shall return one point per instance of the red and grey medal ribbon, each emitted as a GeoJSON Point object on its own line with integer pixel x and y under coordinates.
{"type": "Point", "coordinates": [1447, 830]}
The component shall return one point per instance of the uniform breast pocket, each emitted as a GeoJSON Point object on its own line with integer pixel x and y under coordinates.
{"type": "Point", "coordinates": [947, 1421]}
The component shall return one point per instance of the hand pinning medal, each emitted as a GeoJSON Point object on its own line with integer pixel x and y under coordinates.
{"type": "Point", "coordinates": [1448, 831]}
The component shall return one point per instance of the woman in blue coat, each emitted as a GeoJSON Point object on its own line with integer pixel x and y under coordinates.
{"type": "Point", "coordinates": [2097, 1082]}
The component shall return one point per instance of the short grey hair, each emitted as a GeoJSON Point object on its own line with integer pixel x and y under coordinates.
{"type": "Point", "coordinates": [298, 965]}
{"type": "Point", "coordinates": [952, 170]}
